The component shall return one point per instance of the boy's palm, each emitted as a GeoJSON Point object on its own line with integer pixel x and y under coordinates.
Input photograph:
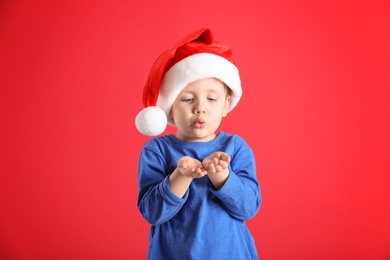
{"type": "Point", "coordinates": [191, 167]}
{"type": "Point", "coordinates": [216, 162]}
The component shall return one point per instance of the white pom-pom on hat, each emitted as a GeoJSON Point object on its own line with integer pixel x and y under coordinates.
{"type": "Point", "coordinates": [196, 56]}
{"type": "Point", "coordinates": [151, 121]}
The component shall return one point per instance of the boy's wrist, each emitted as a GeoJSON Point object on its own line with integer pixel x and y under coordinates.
{"type": "Point", "coordinates": [179, 172]}
{"type": "Point", "coordinates": [224, 172]}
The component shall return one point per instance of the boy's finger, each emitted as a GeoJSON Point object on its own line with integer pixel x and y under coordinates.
{"type": "Point", "coordinates": [211, 168]}
{"type": "Point", "coordinates": [223, 164]}
{"type": "Point", "coordinates": [225, 157]}
{"type": "Point", "coordinates": [219, 168]}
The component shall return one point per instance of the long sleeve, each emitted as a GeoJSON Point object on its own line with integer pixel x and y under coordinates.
{"type": "Point", "coordinates": [156, 201]}
{"type": "Point", "coordinates": [241, 194]}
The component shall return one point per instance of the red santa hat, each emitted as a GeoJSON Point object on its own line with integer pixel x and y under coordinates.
{"type": "Point", "coordinates": [197, 56]}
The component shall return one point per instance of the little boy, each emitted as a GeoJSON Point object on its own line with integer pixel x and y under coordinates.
{"type": "Point", "coordinates": [197, 187]}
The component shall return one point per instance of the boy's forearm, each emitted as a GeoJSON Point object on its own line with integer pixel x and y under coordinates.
{"type": "Point", "coordinates": [178, 183]}
{"type": "Point", "coordinates": [219, 178]}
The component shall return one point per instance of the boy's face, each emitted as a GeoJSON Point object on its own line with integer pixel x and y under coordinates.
{"type": "Point", "coordinates": [199, 108]}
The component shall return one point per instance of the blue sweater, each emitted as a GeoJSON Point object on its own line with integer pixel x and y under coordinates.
{"type": "Point", "coordinates": [205, 223]}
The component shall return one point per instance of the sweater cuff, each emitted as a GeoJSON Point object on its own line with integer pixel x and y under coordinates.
{"type": "Point", "coordinates": [228, 189]}
{"type": "Point", "coordinates": [170, 196]}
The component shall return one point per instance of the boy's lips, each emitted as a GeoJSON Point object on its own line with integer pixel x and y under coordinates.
{"type": "Point", "coordinates": [200, 123]}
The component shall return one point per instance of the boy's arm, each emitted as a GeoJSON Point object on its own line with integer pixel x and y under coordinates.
{"type": "Point", "coordinates": [240, 193]}
{"type": "Point", "coordinates": [218, 179]}
{"type": "Point", "coordinates": [156, 202]}
{"type": "Point", "coordinates": [179, 183]}
{"type": "Point", "coordinates": [160, 194]}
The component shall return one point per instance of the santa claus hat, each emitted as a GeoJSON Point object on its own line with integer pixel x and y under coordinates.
{"type": "Point", "coordinates": [196, 56]}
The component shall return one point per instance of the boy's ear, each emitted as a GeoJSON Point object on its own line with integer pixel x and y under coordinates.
{"type": "Point", "coordinates": [227, 105]}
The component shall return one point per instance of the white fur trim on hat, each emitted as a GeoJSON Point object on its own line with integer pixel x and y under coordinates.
{"type": "Point", "coordinates": [193, 68]}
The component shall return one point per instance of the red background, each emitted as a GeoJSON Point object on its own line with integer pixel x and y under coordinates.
{"type": "Point", "coordinates": [316, 79]}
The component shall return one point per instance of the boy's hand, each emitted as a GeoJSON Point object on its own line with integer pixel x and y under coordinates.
{"type": "Point", "coordinates": [216, 162]}
{"type": "Point", "coordinates": [190, 167]}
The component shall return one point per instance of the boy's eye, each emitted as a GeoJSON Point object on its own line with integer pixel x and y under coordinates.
{"type": "Point", "coordinates": [187, 99]}
{"type": "Point", "coordinates": [211, 99]}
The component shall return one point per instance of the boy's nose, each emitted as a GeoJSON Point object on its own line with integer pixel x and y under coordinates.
{"type": "Point", "coordinates": [199, 111]}
{"type": "Point", "coordinates": [199, 107]}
